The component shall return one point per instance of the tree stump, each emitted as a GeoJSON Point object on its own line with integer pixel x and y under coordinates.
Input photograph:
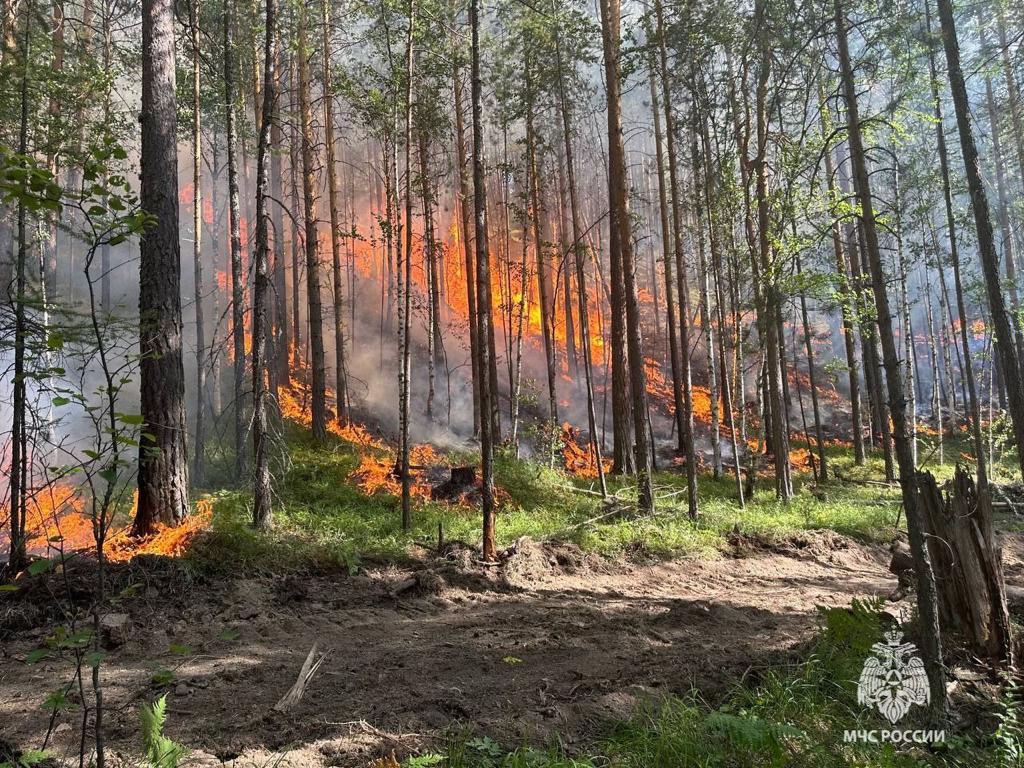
{"type": "Point", "coordinates": [967, 563]}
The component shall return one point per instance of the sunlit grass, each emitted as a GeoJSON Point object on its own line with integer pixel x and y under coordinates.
{"type": "Point", "coordinates": [323, 519]}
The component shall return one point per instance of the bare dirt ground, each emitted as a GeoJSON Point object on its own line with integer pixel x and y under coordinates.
{"type": "Point", "coordinates": [552, 643]}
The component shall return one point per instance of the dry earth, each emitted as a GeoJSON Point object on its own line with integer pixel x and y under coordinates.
{"type": "Point", "coordinates": [552, 643]}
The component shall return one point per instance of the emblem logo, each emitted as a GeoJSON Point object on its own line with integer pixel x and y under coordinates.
{"type": "Point", "coordinates": [893, 679]}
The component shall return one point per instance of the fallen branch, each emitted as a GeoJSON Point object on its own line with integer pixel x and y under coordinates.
{"type": "Point", "coordinates": [295, 693]}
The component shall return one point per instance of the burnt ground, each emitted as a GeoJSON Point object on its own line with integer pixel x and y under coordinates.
{"type": "Point", "coordinates": [552, 642]}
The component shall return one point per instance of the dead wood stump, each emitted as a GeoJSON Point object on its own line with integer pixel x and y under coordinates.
{"type": "Point", "coordinates": [967, 563]}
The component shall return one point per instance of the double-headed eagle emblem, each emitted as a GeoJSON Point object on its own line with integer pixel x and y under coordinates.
{"type": "Point", "coordinates": [893, 679]}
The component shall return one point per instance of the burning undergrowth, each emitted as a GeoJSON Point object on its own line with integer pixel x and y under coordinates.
{"type": "Point", "coordinates": [60, 522]}
{"type": "Point", "coordinates": [433, 475]}
{"type": "Point", "coordinates": [578, 454]}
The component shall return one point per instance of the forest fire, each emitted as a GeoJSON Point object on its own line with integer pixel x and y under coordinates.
{"type": "Point", "coordinates": [577, 459]}
{"type": "Point", "coordinates": [59, 524]}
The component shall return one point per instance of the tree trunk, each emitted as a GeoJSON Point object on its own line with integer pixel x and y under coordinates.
{"type": "Point", "coordinates": [618, 193]}
{"type": "Point", "coordinates": [770, 293]}
{"type": "Point", "coordinates": [466, 222]}
{"type": "Point", "coordinates": [405, 288]}
{"type": "Point", "coordinates": [983, 222]}
{"type": "Point", "coordinates": [318, 391]}
{"type": "Point", "coordinates": [969, 572]}
{"type": "Point", "coordinates": [686, 423]}
{"type": "Point", "coordinates": [261, 510]}
{"type": "Point", "coordinates": [237, 277]}
{"type": "Point", "coordinates": [545, 299]}
{"type": "Point", "coordinates": [163, 468]}
{"type": "Point", "coordinates": [578, 252]}
{"type": "Point", "coordinates": [926, 594]}
{"type": "Point", "coordinates": [340, 369]}
{"type": "Point", "coordinates": [483, 280]}
{"type": "Point", "coordinates": [954, 257]}
{"type": "Point", "coordinates": [199, 446]}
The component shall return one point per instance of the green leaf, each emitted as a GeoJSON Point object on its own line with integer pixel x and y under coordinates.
{"type": "Point", "coordinates": [9, 587]}
{"type": "Point", "coordinates": [180, 650]}
{"type": "Point", "coordinates": [39, 566]}
{"type": "Point", "coordinates": [37, 655]}
{"type": "Point", "coordinates": [94, 659]}
{"type": "Point", "coordinates": [162, 677]}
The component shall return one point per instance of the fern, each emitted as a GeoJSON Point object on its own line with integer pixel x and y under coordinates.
{"type": "Point", "coordinates": [1009, 735]}
{"type": "Point", "coordinates": [161, 752]}
{"type": "Point", "coordinates": [754, 734]}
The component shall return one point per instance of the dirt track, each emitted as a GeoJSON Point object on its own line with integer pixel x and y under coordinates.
{"type": "Point", "coordinates": [551, 642]}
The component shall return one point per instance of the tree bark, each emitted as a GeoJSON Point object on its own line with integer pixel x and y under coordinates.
{"type": "Point", "coordinates": [483, 280]}
{"type": "Point", "coordinates": [983, 222]}
{"type": "Point", "coordinates": [261, 509]}
{"type": "Point", "coordinates": [318, 391]}
{"type": "Point", "coordinates": [163, 468]}
{"type": "Point", "coordinates": [926, 592]}
{"type": "Point", "coordinates": [618, 193]}
{"type": "Point", "coordinates": [340, 368]}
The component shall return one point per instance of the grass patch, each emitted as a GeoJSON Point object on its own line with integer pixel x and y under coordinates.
{"type": "Point", "coordinates": [322, 519]}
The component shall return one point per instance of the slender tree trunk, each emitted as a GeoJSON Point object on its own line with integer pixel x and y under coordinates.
{"type": "Point", "coordinates": [163, 468]}
{"type": "Point", "coordinates": [483, 278]}
{"type": "Point", "coordinates": [19, 455]}
{"type": "Point", "coordinates": [466, 222]}
{"type": "Point", "coordinates": [318, 392]}
{"type": "Point", "coordinates": [405, 286]}
{"type": "Point", "coordinates": [926, 592]}
{"type": "Point", "coordinates": [578, 252]}
{"type": "Point", "coordinates": [686, 422]}
{"type": "Point", "coordinates": [237, 278]}
{"type": "Point", "coordinates": [770, 292]}
{"type": "Point", "coordinates": [618, 192]}
{"type": "Point", "coordinates": [280, 351]}
{"type": "Point", "coordinates": [701, 202]}
{"type": "Point", "coordinates": [199, 448]}
{"type": "Point", "coordinates": [666, 246]}
{"type": "Point", "coordinates": [340, 368]}
{"type": "Point", "coordinates": [545, 299]}
{"type": "Point", "coordinates": [983, 222]}
{"type": "Point", "coordinates": [261, 510]}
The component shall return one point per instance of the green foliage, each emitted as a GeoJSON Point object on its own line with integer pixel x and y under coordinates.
{"type": "Point", "coordinates": [792, 716]}
{"type": "Point", "coordinates": [325, 520]}
{"type": "Point", "coordinates": [160, 751]}
{"type": "Point", "coordinates": [1009, 735]}
{"type": "Point", "coordinates": [26, 759]}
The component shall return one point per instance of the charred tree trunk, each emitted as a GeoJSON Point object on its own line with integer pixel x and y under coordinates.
{"type": "Point", "coordinates": [968, 566]}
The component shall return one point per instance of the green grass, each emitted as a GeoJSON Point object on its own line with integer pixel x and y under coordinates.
{"type": "Point", "coordinates": [323, 519]}
{"type": "Point", "coordinates": [793, 717]}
